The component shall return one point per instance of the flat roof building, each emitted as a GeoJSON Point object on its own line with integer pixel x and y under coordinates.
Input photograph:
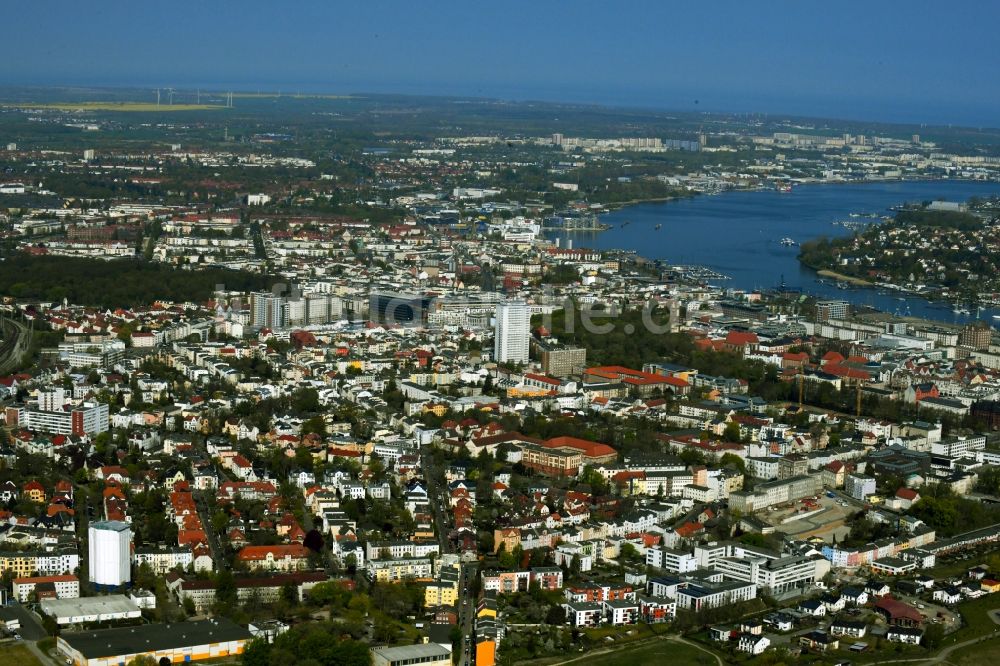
{"type": "Point", "coordinates": [90, 609]}
{"type": "Point", "coordinates": [427, 654]}
{"type": "Point", "coordinates": [179, 642]}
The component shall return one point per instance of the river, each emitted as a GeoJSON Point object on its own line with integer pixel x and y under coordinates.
{"type": "Point", "coordinates": [738, 234]}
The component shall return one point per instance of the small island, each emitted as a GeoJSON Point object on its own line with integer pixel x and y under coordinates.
{"type": "Point", "coordinates": [938, 250]}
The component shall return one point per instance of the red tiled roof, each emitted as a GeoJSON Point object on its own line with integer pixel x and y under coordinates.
{"type": "Point", "coordinates": [588, 448]}
{"type": "Point", "coordinates": [898, 610]}
{"type": "Point", "coordinates": [741, 338]}
{"type": "Point", "coordinates": [260, 552]}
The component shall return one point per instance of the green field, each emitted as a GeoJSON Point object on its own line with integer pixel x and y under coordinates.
{"type": "Point", "coordinates": [265, 95]}
{"type": "Point", "coordinates": [976, 619]}
{"type": "Point", "coordinates": [125, 107]}
{"type": "Point", "coordinates": [17, 653]}
{"type": "Point", "coordinates": [977, 655]}
{"type": "Point", "coordinates": [652, 653]}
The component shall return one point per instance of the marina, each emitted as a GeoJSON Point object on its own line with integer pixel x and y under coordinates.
{"type": "Point", "coordinates": [735, 234]}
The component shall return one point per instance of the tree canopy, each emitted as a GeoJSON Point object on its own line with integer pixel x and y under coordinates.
{"type": "Point", "coordinates": [317, 643]}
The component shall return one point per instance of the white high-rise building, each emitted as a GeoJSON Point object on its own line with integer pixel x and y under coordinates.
{"type": "Point", "coordinates": [51, 400]}
{"type": "Point", "coordinates": [110, 550]}
{"type": "Point", "coordinates": [512, 332]}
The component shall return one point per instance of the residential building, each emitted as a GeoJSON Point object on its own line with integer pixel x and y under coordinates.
{"type": "Point", "coordinates": [61, 587]}
{"type": "Point", "coordinates": [512, 332]}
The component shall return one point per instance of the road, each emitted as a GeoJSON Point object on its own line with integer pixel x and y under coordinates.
{"type": "Point", "coordinates": [31, 632]}
{"type": "Point", "coordinates": [204, 502]}
{"type": "Point", "coordinates": [437, 494]}
{"type": "Point", "coordinates": [467, 614]}
{"type": "Point", "coordinates": [438, 498]}
{"type": "Point", "coordinates": [31, 628]}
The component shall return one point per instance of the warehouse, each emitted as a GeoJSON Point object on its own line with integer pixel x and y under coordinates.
{"type": "Point", "coordinates": [180, 642]}
{"type": "Point", "coordinates": [411, 655]}
{"type": "Point", "coordinates": [91, 609]}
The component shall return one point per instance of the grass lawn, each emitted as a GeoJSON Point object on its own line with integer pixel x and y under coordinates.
{"type": "Point", "coordinates": [654, 653]}
{"type": "Point", "coordinates": [977, 655]}
{"type": "Point", "coordinates": [976, 619]}
{"type": "Point", "coordinates": [957, 567]}
{"type": "Point", "coordinates": [630, 633]}
{"type": "Point", "coordinates": [15, 653]}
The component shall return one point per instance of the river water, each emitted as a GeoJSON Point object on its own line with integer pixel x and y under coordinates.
{"type": "Point", "coordinates": [738, 234]}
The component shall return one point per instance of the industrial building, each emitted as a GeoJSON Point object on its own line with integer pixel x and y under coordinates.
{"type": "Point", "coordinates": [427, 654]}
{"type": "Point", "coordinates": [90, 609]}
{"type": "Point", "coordinates": [177, 643]}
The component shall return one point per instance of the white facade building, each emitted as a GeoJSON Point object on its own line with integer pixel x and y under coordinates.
{"type": "Point", "coordinates": [512, 331]}
{"type": "Point", "coordinates": [110, 549]}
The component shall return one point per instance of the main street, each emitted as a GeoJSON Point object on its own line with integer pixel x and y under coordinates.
{"type": "Point", "coordinates": [467, 613]}
{"type": "Point", "coordinates": [437, 497]}
{"type": "Point", "coordinates": [437, 494]}
{"type": "Point", "coordinates": [204, 501]}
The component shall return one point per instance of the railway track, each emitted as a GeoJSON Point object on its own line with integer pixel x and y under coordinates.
{"type": "Point", "coordinates": [14, 344]}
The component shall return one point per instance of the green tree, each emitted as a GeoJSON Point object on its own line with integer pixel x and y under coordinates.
{"type": "Point", "coordinates": [732, 433]}
{"type": "Point", "coordinates": [733, 460]}
{"type": "Point", "coordinates": [629, 553]}
{"type": "Point", "coordinates": [225, 590]}
{"type": "Point", "coordinates": [933, 635]}
{"type": "Point", "coordinates": [142, 660]}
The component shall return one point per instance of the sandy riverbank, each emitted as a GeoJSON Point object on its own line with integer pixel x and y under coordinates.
{"type": "Point", "coordinates": [844, 278]}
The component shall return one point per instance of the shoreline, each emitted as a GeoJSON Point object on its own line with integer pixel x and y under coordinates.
{"type": "Point", "coordinates": [832, 275]}
{"type": "Point", "coordinates": [619, 205]}
{"type": "Point", "coordinates": [692, 194]}
{"type": "Point", "coordinates": [611, 207]}
{"type": "Point", "coordinates": [826, 272]}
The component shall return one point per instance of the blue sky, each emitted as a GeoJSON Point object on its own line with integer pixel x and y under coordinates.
{"type": "Point", "coordinates": [915, 61]}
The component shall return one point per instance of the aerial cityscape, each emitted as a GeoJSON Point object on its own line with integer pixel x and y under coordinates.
{"type": "Point", "coordinates": [441, 336]}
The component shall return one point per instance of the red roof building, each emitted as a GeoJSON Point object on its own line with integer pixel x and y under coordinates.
{"type": "Point", "coordinates": [594, 453]}
{"type": "Point", "coordinates": [897, 613]}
